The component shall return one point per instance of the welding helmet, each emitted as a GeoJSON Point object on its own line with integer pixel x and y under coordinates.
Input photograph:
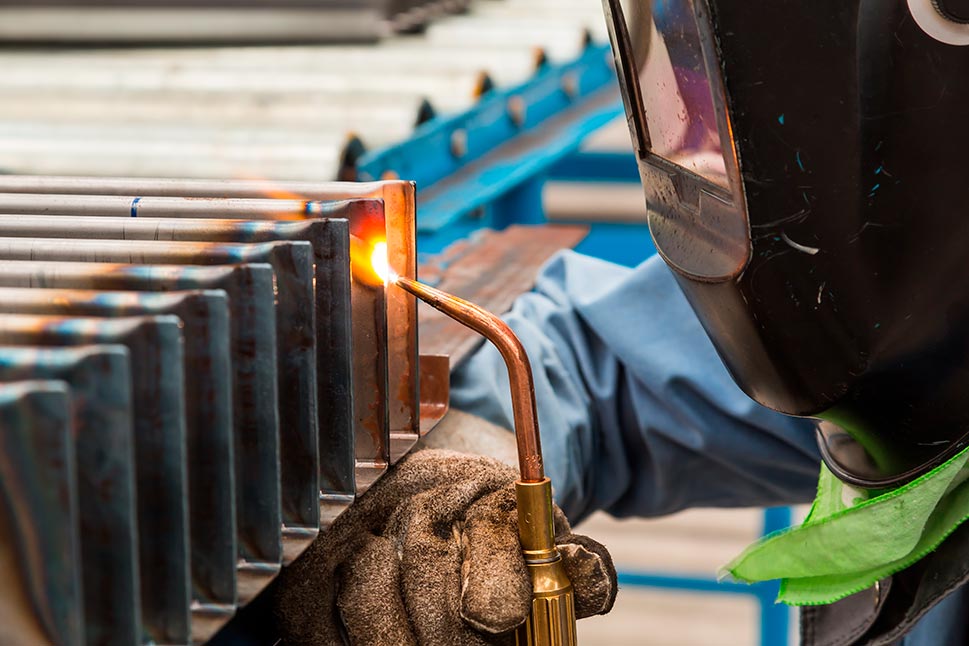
{"type": "Point", "coordinates": [806, 169]}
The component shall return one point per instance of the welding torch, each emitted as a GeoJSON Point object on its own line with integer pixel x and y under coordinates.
{"type": "Point", "coordinates": [552, 618]}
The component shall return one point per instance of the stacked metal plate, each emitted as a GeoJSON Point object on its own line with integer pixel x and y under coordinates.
{"type": "Point", "coordinates": [213, 21]}
{"type": "Point", "coordinates": [286, 112]}
{"type": "Point", "coordinates": [196, 387]}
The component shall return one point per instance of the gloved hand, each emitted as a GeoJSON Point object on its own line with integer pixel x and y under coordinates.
{"type": "Point", "coordinates": [429, 556]}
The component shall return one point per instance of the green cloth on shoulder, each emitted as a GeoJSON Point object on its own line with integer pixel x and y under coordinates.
{"type": "Point", "coordinates": [852, 537]}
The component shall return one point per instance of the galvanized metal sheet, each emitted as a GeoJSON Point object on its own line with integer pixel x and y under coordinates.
{"type": "Point", "coordinates": [258, 501]}
{"type": "Point", "coordinates": [250, 288]}
{"type": "Point", "coordinates": [40, 595]}
{"type": "Point", "coordinates": [101, 406]}
{"type": "Point", "coordinates": [155, 347]}
{"type": "Point", "coordinates": [208, 377]}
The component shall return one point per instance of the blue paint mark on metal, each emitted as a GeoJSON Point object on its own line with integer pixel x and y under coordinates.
{"type": "Point", "coordinates": [797, 157]}
{"type": "Point", "coordinates": [134, 207]}
{"type": "Point", "coordinates": [780, 119]}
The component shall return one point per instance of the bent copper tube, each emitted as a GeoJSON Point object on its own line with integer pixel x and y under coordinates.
{"type": "Point", "coordinates": [497, 331]}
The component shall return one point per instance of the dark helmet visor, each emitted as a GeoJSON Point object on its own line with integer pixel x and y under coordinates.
{"type": "Point", "coordinates": [673, 94]}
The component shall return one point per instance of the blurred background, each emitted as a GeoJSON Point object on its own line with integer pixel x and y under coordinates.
{"type": "Point", "coordinates": [505, 113]}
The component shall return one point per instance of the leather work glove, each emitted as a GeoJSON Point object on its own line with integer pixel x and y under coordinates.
{"type": "Point", "coordinates": [430, 556]}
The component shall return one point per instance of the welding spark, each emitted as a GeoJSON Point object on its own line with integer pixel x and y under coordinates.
{"type": "Point", "coordinates": [380, 264]}
{"type": "Point", "coordinates": [370, 262]}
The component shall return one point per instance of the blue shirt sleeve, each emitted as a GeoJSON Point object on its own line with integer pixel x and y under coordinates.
{"type": "Point", "coordinates": [638, 414]}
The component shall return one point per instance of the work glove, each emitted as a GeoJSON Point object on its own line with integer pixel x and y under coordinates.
{"type": "Point", "coordinates": [429, 556]}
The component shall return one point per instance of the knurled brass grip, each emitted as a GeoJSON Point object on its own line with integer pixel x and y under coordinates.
{"type": "Point", "coordinates": [552, 620]}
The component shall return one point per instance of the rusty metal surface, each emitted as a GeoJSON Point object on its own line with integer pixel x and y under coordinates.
{"type": "Point", "coordinates": [318, 381]}
{"type": "Point", "coordinates": [435, 389]}
{"type": "Point", "coordinates": [253, 338]}
{"type": "Point", "coordinates": [100, 382]}
{"type": "Point", "coordinates": [258, 499]}
{"type": "Point", "coordinates": [399, 232]}
{"type": "Point", "coordinates": [155, 347]}
{"type": "Point", "coordinates": [208, 402]}
{"type": "Point", "coordinates": [491, 269]}
{"type": "Point", "coordinates": [40, 596]}
{"type": "Point", "coordinates": [368, 334]}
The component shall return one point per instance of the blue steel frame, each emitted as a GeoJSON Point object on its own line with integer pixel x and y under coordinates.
{"type": "Point", "coordinates": [487, 167]}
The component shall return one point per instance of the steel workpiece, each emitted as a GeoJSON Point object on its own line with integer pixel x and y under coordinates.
{"type": "Point", "coordinates": [39, 541]}
{"type": "Point", "coordinates": [399, 199]}
{"type": "Point", "coordinates": [208, 405]}
{"type": "Point", "coordinates": [257, 447]}
{"type": "Point", "coordinates": [158, 406]}
{"type": "Point", "coordinates": [250, 289]}
{"type": "Point", "coordinates": [314, 375]}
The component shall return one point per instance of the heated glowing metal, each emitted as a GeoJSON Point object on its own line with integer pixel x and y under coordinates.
{"type": "Point", "coordinates": [379, 262]}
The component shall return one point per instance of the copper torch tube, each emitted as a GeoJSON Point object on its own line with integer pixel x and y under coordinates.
{"type": "Point", "coordinates": [519, 369]}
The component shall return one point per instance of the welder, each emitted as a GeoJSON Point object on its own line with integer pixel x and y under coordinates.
{"type": "Point", "coordinates": [805, 170]}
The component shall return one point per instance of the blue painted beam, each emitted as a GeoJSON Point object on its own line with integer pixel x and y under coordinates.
{"type": "Point", "coordinates": [591, 166]}
{"type": "Point", "coordinates": [469, 161]}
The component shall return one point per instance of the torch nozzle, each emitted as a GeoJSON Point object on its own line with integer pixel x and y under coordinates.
{"type": "Point", "coordinates": [519, 370]}
{"type": "Point", "coordinates": [551, 621]}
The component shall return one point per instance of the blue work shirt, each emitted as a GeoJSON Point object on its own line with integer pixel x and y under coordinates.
{"type": "Point", "coordinates": [639, 417]}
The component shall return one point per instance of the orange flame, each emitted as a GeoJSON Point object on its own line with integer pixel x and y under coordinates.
{"type": "Point", "coordinates": [369, 261]}
{"type": "Point", "coordinates": [380, 262]}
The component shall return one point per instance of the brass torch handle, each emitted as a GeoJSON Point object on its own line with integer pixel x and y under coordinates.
{"type": "Point", "coordinates": [552, 619]}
